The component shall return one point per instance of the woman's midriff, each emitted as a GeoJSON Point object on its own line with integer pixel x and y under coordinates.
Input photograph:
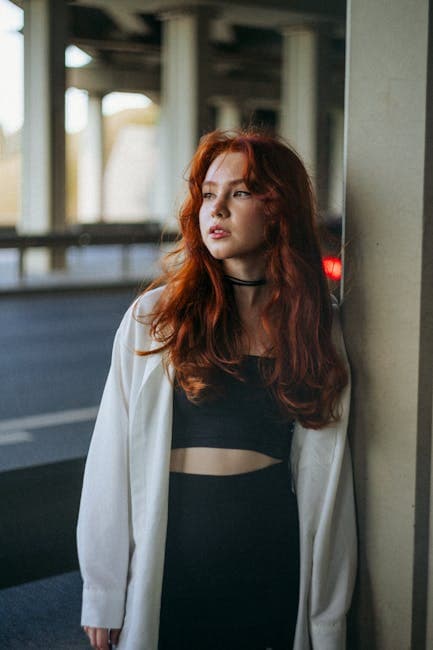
{"type": "Point", "coordinates": [218, 462]}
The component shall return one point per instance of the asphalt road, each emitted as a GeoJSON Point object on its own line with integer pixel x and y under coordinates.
{"type": "Point", "coordinates": [54, 356]}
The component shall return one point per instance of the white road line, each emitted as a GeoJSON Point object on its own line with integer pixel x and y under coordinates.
{"type": "Point", "coordinates": [15, 437]}
{"type": "Point", "coordinates": [48, 419]}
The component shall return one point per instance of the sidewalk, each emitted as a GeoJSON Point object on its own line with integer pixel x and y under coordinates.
{"type": "Point", "coordinates": [43, 615]}
{"type": "Point", "coordinates": [86, 268]}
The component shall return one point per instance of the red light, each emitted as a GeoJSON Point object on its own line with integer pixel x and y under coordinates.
{"type": "Point", "coordinates": [332, 268]}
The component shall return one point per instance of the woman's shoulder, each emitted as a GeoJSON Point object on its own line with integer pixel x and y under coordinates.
{"type": "Point", "coordinates": [144, 305]}
{"type": "Point", "coordinates": [134, 327]}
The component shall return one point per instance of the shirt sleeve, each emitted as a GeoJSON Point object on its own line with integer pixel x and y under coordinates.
{"type": "Point", "coordinates": [328, 529]}
{"type": "Point", "coordinates": [334, 557]}
{"type": "Point", "coordinates": [103, 531]}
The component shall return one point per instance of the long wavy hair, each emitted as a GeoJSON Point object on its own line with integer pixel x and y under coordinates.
{"type": "Point", "coordinates": [196, 318]}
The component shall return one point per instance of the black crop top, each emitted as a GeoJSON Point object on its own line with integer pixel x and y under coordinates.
{"type": "Point", "coordinates": [241, 415]}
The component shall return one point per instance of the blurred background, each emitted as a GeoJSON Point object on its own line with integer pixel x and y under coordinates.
{"type": "Point", "coordinates": [102, 104]}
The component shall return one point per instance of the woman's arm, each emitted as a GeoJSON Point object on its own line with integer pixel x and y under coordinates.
{"type": "Point", "coordinates": [324, 485]}
{"type": "Point", "coordinates": [335, 543]}
{"type": "Point", "coordinates": [101, 638]}
{"type": "Point", "coordinates": [103, 532]}
{"type": "Point", "coordinates": [334, 554]}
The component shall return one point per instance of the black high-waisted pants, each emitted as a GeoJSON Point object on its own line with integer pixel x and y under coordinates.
{"type": "Point", "coordinates": [231, 577]}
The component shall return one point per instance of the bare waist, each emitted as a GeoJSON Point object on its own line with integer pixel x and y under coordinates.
{"type": "Point", "coordinates": [217, 461]}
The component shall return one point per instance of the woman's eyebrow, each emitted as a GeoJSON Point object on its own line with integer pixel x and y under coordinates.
{"type": "Point", "coordinates": [236, 181]}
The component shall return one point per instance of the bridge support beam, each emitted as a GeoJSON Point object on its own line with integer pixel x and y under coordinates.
{"type": "Point", "coordinates": [91, 164]}
{"type": "Point", "coordinates": [43, 203]}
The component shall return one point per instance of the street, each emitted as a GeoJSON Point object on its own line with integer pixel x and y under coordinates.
{"type": "Point", "coordinates": [54, 356]}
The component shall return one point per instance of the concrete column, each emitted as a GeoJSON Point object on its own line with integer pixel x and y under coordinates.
{"type": "Point", "coordinates": [299, 91]}
{"type": "Point", "coordinates": [323, 114]}
{"type": "Point", "coordinates": [91, 164]}
{"type": "Point", "coordinates": [336, 147]}
{"type": "Point", "coordinates": [228, 114]}
{"type": "Point", "coordinates": [388, 316]}
{"type": "Point", "coordinates": [43, 207]}
{"type": "Point", "coordinates": [184, 111]}
{"type": "Point", "coordinates": [305, 99]}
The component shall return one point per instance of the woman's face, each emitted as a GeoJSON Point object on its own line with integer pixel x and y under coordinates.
{"type": "Point", "coordinates": [232, 220]}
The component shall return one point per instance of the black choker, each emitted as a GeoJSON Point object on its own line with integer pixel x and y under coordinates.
{"type": "Point", "coordinates": [245, 283]}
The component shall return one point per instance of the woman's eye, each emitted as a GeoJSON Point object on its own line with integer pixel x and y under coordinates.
{"type": "Point", "coordinates": [207, 195]}
{"type": "Point", "coordinates": [242, 193]}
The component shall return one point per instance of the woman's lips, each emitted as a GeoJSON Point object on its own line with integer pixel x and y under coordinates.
{"type": "Point", "coordinates": [218, 233]}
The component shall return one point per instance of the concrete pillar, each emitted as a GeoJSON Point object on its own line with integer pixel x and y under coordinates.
{"type": "Point", "coordinates": [91, 164]}
{"type": "Point", "coordinates": [299, 79]}
{"type": "Point", "coordinates": [228, 114]}
{"type": "Point", "coordinates": [388, 316]}
{"type": "Point", "coordinates": [184, 110]}
{"type": "Point", "coordinates": [323, 113]}
{"type": "Point", "coordinates": [43, 204]}
{"type": "Point", "coordinates": [336, 148]}
{"type": "Point", "coordinates": [305, 92]}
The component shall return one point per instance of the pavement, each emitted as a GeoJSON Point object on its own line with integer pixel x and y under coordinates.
{"type": "Point", "coordinates": [45, 614]}
{"type": "Point", "coordinates": [55, 351]}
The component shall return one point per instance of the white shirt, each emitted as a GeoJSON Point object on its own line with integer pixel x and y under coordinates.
{"type": "Point", "coordinates": [123, 513]}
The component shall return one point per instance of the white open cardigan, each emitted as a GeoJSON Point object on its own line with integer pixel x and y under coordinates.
{"type": "Point", "coordinates": [123, 513]}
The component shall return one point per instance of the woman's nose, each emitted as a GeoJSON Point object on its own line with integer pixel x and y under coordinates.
{"type": "Point", "coordinates": [219, 208]}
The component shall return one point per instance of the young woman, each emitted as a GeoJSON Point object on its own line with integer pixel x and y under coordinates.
{"type": "Point", "coordinates": [217, 507]}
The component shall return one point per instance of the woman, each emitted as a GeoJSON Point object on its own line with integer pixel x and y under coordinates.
{"type": "Point", "coordinates": [217, 506]}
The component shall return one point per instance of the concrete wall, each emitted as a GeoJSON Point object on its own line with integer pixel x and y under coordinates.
{"type": "Point", "coordinates": [388, 314]}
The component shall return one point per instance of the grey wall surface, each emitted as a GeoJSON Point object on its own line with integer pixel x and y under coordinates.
{"type": "Point", "coordinates": [388, 319]}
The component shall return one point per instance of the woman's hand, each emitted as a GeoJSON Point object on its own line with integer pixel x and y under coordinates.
{"type": "Point", "coordinates": [98, 637]}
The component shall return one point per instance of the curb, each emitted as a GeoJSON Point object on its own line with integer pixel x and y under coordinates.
{"type": "Point", "coordinates": [135, 284]}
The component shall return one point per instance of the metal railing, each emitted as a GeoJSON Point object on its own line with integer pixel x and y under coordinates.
{"type": "Point", "coordinates": [80, 236]}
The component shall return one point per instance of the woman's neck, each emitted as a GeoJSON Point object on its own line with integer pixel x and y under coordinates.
{"type": "Point", "coordinates": [248, 296]}
{"type": "Point", "coordinates": [250, 302]}
{"type": "Point", "coordinates": [249, 299]}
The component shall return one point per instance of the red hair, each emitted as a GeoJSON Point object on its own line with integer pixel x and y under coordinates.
{"type": "Point", "coordinates": [196, 319]}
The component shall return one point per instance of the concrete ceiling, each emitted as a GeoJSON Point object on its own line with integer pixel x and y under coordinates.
{"type": "Point", "coordinates": [124, 40]}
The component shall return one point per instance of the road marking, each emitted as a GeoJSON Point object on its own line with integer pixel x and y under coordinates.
{"type": "Point", "coordinates": [15, 437]}
{"type": "Point", "coordinates": [48, 419]}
